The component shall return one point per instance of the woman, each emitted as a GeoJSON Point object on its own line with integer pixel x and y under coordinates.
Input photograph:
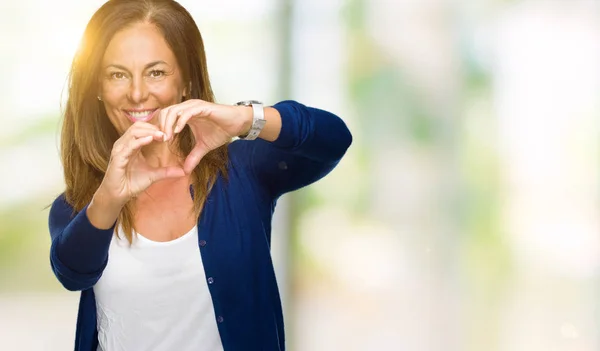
{"type": "Point", "coordinates": [165, 223]}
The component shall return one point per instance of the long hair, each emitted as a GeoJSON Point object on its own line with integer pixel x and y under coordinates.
{"type": "Point", "coordinates": [88, 135]}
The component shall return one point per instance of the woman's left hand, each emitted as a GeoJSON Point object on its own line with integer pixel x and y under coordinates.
{"type": "Point", "coordinates": [213, 125]}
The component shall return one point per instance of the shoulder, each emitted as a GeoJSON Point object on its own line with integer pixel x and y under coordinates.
{"type": "Point", "coordinates": [61, 209]}
{"type": "Point", "coordinates": [60, 203]}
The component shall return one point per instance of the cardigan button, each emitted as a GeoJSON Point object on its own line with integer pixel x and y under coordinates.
{"type": "Point", "coordinates": [210, 280]}
{"type": "Point", "coordinates": [202, 243]}
{"type": "Point", "coordinates": [220, 319]}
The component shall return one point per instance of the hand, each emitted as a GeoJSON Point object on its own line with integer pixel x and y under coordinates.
{"type": "Point", "coordinates": [212, 125]}
{"type": "Point", "coordinates": [127, 173]}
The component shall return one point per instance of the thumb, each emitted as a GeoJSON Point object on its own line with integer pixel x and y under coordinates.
{"type": "Point", "coordinates": [193, 159]}
{"type": "Point", "coordinates": [166, 172]}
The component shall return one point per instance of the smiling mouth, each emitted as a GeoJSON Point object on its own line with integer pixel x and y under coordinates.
{"type": "Point", "coordinates": [140, 115]}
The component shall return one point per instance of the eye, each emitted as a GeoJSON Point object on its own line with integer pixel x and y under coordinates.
{"type": "Point", "coordinates": [117, 75]}
{"type": "Point", "coordinates": [156, 73]}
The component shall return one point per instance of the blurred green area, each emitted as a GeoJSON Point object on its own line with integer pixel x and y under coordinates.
{"type": "Point", "coordinates": [24, 244]}
{"type": "Point", "coordinates": [389, 108]}
{"type": "Point", "coordinates": [41, 126]}
{"type": "Point", "coordinates": [24, 238]}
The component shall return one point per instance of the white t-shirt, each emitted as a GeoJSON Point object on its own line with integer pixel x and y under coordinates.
{"type": "Point", "coordinates": [154, 296]}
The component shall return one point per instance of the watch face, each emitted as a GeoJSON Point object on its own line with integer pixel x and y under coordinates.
{"type": "Point", "coordinates": [248, 102]}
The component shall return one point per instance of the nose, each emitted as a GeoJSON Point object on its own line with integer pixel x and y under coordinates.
{"type": "Point", "coordinates": [138, 91]}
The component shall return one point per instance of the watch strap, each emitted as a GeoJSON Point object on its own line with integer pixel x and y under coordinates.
{"type": "Point", "coordinates": [258, 119]}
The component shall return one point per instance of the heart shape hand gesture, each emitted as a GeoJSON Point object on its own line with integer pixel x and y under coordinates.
{"type": "Point", "coordinates": [212, 125]}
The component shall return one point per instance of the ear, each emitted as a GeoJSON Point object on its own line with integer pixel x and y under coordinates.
{"type": "Point", "coordinates": [99, 89]}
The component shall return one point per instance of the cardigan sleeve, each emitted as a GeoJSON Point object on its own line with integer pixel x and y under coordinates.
{"type": "Point", "coordinates": [79, 251]}
{"type": "Point", "coordinates": [311, 143]}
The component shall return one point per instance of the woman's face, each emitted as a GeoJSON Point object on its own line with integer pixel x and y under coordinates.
{"type": "Point", "coordinates": [139, 75]}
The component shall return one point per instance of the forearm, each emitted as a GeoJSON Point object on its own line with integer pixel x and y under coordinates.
{"type": "Point", "coordinates": [79, 247]}
{"type": "Point", "coordinates": [311, 132]}
{"type": "Point", "coordinates": [273, 125]}
{"type": "Point", "coordinates": [301, 145]}
{"type": "Point", "coordinates": [103, 211]}
{"type": "Point", "coordinates": [82, 247]}
{"type": "Point", "coordinates": [272, 128]}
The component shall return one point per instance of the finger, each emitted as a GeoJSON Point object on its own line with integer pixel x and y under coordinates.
{"type": "Point", "coordinates": [171, 118]}
{"type": "Point", "coordinates": [199, 110]}
{"type": "Point", "coordinates": [136, 133]}
{"type": "Point", "coordinates": [193, 159]}
{"type": "Point", "coordinates": [182, 120]}
{"type": "Point", "coordinates": [136, 144]}
{"type": "Point", "coordinates": [166, 172]}
{"type": "Point", "coordinates": [123, 154]}
{"type": "Point", "coordinates": [171, 114]}
{"type": "Point", "coordinates": [183, 112]}
{"type": "Point", "coordinates": [161, 119]}
{"type": "Point", "coordinates": [137, 130]}
{"type": "Point", "coordinates": [143, 125]}
{"type": "Point", "coordinates": [144, 132]}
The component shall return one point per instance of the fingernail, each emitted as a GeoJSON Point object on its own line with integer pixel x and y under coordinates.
{"type": "Point", "coordinates": [164, 137]}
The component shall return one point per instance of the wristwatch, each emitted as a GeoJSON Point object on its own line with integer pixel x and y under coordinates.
{"type": "Point", "coordinates": [258, 120]}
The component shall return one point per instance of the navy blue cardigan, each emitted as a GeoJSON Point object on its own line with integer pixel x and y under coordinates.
{"type": "Point", "coordinates": [234, 230]}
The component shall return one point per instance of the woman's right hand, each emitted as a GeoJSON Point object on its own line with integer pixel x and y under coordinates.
{"type": "Point", "coordinates": [128, 173]}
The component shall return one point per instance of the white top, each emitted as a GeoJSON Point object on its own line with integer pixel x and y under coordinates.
{"type": "Point", "coordinates": [154, 296]}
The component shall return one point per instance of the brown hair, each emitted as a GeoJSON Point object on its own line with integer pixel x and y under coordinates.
{"type": "Point", "coordinates": [87, 133]}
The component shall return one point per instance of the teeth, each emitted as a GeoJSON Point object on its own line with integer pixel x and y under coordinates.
{"type": "Point", "coordinates": [139, 115]}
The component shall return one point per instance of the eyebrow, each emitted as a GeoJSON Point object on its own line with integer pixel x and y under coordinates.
{"type": "Point", "coordinates": [151, 64]}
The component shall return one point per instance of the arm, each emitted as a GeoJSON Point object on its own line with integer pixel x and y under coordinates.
{"type": "Point", "coordinates": [80, 241]}
{"type": "Point", "coordinates": [307, 143]}
{"type": "Point", "coordinates": [79, 250]}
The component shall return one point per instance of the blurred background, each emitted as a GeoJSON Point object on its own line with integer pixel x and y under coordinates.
{"type": "Point", "coordinates": [464, 217]}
